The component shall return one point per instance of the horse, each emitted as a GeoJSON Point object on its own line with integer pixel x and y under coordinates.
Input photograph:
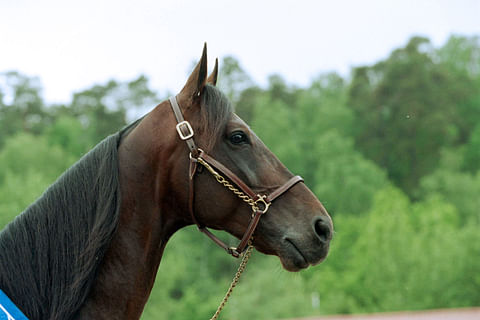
{"type": "Point", "coordinates": [91, 245]}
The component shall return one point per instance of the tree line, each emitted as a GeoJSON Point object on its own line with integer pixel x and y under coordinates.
{"type": "Point", "coordinates": [392, 150]}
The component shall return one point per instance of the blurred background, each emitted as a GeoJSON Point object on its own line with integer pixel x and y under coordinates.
{"type": "Point", "coordinates": [375, 103]}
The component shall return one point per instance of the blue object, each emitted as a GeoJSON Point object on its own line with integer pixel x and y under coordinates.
{"type": "Point", "coordinates": [8, 310]}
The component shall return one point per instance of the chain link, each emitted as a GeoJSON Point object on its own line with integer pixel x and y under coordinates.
{"type": "Point", "coordinates": [246, 255]}
{"type": "Point", "coordinates": [220, 179]}
{"type": "Point", "coordinates": [241, 268]}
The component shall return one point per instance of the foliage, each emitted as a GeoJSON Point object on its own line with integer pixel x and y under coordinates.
{"type": "Point", "coordinates": [400, 254]}
{"type": "Point", "coordinates": [406, 109]}
{"type": "Point", "coordinates": [460, 188]}
{"type": "Point", "coordinates": [21, 105]}
{"type": "Point", "coordinates": [29, 164]}
{"type": "Point", "coordinates": [232, 79]}
{"type": "Point", "coordinates": [472, 150]}
{"type": "Point", "coordinates": [393, 151]}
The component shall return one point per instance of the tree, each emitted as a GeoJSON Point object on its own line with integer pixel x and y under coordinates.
{"type": "Point", "coordinates": [460, 57]}
{"type": "Point", "coordinates": [345, 181]}
{"type": "Point", "coordinates": [449, 182]}
{"type": "Point", "coordinates": [68, 133]}
{"type": "Point", "coordinates": [25, 153]}
{"type": "Point", "coordinates": [399, 257]}
{"type": "Point", "coordinates": [24, 108]}
{"type": "Point", "coordinates": [232, 79]}
{"type": "Point", "coordinates": [28, 165]}
{"type": "Point", "coordinates": [103, 109]}
{"type": "Point", "coordinates": [472, 151]}
{"type": "Point", "coordinates": [405, 108]}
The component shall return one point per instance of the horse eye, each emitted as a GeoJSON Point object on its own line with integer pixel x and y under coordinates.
{"type": "Point", "coordinates": [238, 137]}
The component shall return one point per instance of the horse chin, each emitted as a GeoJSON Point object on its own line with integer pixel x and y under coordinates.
{"type": "Point", "coordinates": [295, 255]}
{"type": "Point", "coordinates": [294, 264]}
{"type": "Point", "coordinates": [292, 258]}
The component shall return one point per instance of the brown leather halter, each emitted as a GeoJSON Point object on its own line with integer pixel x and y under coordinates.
{"type": "Point", "coordinates": [258, 203]}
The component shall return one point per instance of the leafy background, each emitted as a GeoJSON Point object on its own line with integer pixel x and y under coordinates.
{"type": "Point", "coordinates": [392, 150]}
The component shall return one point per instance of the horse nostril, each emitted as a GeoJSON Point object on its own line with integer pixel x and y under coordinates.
{"type": "Point", "coordinates": [322, 229]}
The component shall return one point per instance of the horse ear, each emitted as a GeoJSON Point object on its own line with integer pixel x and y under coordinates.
{"type": "Point", "coordinates": [212, 79]}
{"type": "Point", "coordinates": [197, 80]}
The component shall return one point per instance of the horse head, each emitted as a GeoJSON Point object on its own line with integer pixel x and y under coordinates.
{"type": "Point", "coordinates": [296, 228]}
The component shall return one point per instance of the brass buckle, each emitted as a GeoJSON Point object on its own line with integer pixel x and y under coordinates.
{"type": "Point", "coordinates": [234, 252]}
{"type": "Point", "coordinates": [184, 124]}
{"type": "Point", "coordinates": [264, 204]}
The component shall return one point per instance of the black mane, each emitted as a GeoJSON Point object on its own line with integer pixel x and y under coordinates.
{"type": "Point", "coordinates": [50, 254]}
{"type": "Point", "coordinates": [216, 111]}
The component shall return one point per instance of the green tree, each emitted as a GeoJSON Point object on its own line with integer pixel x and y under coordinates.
{"type": "Point", "coordinates": [28, 164]}
{"type": "Point", "coordinates": [68, 133]}
{"type": "Point", "coordinates": [449, 182]}
{"type": "Point", "coordinates": [17, 192]}
{"type": "Point", "coordinates": [273, 130]}
{"type": "Point", "coordinates": [247, 102]}
{"type": "Point", "coordinates": [399, 257]}
{"type": "Point", "coordinates": [459, 56]}
{"type": "Point", "coordinates": [232, 79]}
{"type": "Point", "coordinates": [102, 109]}
{"type": "Point", "coordinates": [25, 153]}
{"type": "Point", "coordinates": [472, 151]}
{"type": "Point", "coordinates": [21, 105]}
{"type": "Point", "coordinates": [405, 111]}
{"type": "Point", "coordinates": [97, 109]}
{"type": "Point", "coordinates": [345, 181]}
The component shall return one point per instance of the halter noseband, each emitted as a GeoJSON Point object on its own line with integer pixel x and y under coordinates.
{"type": "Point", "coordinates": [258, 203]}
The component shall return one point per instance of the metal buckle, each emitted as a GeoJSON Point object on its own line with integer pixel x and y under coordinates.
{"type": "Point", "coordinates": [264, 203]}
{"type": "Point", "coordinates": [234, 252]}
{"type": "Point", "coordinates": [184, 124]}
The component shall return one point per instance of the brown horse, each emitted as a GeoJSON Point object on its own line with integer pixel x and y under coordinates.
{"type": "Point", "coordinates": [163, 187]}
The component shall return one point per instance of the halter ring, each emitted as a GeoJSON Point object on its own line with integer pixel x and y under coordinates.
{"type": "Point", "coordinates": [264, 204]}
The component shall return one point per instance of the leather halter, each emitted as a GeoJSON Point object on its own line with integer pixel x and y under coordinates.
{"type": "Point", "coordinates": [259, 203]}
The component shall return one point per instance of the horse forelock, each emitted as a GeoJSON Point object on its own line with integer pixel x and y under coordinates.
{"type": "Point", "coordinates": [216, 111]}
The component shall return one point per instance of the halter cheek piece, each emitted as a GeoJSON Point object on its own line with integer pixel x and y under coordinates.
{"type": "Point", "coordinates": [258, 203]}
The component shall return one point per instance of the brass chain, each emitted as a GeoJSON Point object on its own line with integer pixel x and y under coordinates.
{"type": "Point", "coordinates": [220, 179]}
{"type": "Point", "coordinates": [241, 268]}
{"type": "Point", "coordinates": [246, 255]}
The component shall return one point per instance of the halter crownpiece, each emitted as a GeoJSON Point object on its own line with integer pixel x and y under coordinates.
{"type": "Point", "coordinates": [259, 203]}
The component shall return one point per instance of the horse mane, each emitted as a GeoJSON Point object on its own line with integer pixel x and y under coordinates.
{"type": "Point", "coordinates": [215, 112]}
{"type": "Point", "coordinates": [51, 252]}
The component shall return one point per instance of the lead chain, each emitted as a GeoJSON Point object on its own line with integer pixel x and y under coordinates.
{"type": "Point", "coordinates": [220, 179]}
{"type": "Point", "coordinates": [246, 255]}
{"type": "Point", "coordinates": [236, 278]}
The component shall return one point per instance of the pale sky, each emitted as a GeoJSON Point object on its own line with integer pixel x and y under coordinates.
{"type": "Point", "coordinates": [70, 45]}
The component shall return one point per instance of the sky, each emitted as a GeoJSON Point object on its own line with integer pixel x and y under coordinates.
{"type": "Point", "coordinates": [71, 45]}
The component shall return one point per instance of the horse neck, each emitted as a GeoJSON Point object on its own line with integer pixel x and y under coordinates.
{"type": "Point", "coordinates": [148, 218]}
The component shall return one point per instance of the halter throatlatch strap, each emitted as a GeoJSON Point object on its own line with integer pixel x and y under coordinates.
{"type": "Point", "coordinates": [258, 203]}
